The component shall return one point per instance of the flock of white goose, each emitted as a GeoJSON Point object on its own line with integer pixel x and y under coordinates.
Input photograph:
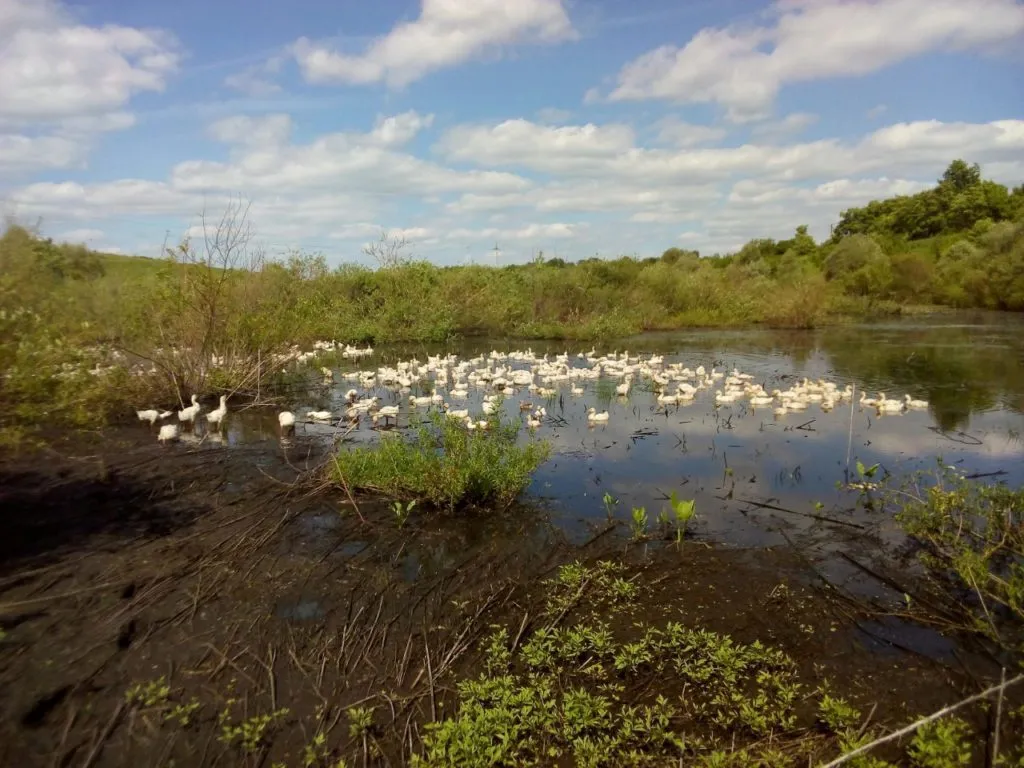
{"type": "Point", "coordinates": [447, 380]}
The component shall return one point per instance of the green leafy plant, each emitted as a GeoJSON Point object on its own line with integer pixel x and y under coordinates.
{"type": "Point", "coordinates": [639, 522]}
{"type": "Point", "coordinates": [684, 511]}
{"type": "Point", "coordinates": [836, 713]}
{"type": "Point", "coordinates": [151, 694]}
{"type": "Point", "coordinates": [944, 743]}
{"type": "Point", "coordinates": [610, 502]}
{"type": "Point", "coordinates": [402, 511]}
{"type": "Point", "coordinates": [252, 733]}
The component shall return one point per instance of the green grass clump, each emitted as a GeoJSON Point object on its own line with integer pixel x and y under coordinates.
{"type": "Point", "coordinates": [445, 465]}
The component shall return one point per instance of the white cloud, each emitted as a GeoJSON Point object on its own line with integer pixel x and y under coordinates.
{"type": "Point", "coordinates": [679, 133]}
{"type": "Point", "coordinates": [63, 83]}
{"type": "Point", "coordinates": [540, 147]}
{"type": "Point", "coordinates": [743, 68]}
{"type": "Point", "coordinates": [594, 187]}
{"type": "Point", "coordinates": [22, 154]}
{"type": "Point", "coordinates": [52, 67]}
{"type": "Point", "coordinates": [397, 130]}
{"type": "Point", "coordinates": [876, 111]}
{"type": "Point", "coordinates": [366, 162]}
{"type": "Point", "coordinates": [447, 33]}
{"type": "Point", "coordinates": [298, 191]}
{"type": "Point", "coordinates": [609, 152]}
{"type": "Point", "coordinates": [70, 199]}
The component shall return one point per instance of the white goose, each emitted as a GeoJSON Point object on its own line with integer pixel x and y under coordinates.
{"type": "Point", "coordinates": [286, 420]}
{"type": "Point", "coordinates": [152, 415]}
{"type": "Point", "coordinates": [911, 403]}
{"type": "Point", "coordinates": [189, 414]}
{"type": "Point", "coordinates": [217, 416]}
{"type": "Point", "coordinates": [387, 412]}
{"type": "Point", "coordinates": [168, 433]}
{"type": "Point", "coordinates": [593, 415]}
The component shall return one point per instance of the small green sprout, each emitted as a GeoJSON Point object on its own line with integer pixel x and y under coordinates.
{"type": "Point", "coordinates": [402, 512]}
{"type": "Point", "coordinates": [684, 511]}
{"type": "Point", "coordinates": [610, 502]}
{"type": "Point", "coordinates": [639, 522]}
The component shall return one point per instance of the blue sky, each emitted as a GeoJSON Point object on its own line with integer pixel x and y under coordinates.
{"type": "Point", "coordinates": [576, 127]}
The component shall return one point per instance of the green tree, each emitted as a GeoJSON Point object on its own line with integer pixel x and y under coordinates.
{"type": "Point", "coordinates": [960, 176]}
{"type": "Point", "coordinates": [860, 266]}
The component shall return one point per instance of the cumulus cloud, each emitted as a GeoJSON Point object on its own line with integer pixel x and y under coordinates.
{"type": "Point", "coordinates": [522, 182]}
{"type": "Point", "coordinates": [63, 83]}
{"type": "Point", "coordinates": [609, 151]}
{"type": "Point", "coordinates": [397, 130]}
{"type": "Point", "coordinates": [21, 154]}
{"type": "Point", "coordinates": [743, 68]}
{"type": "Point", "coordinates": [447, 33]}
{"type": "Point", "coordinates": [546, 148]}
{"type": "Point", "coordinates": [52, 67]}
{"type": "Point", "coordinates": [297, 190]}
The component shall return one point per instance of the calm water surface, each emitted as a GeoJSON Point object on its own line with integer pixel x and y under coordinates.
{"type": "Point", "coordinates": [970, 367]}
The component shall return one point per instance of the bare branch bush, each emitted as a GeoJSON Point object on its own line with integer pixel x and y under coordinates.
{"type": "Point", "coordinates": [210, 288]}
{"type": "Point", "coordinates": [389, 251]}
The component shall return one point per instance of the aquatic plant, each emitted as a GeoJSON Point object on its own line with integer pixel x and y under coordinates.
{"type": "Point", "coordinates": [610, 502]}
{"type": "Point", "coordinates": [402, 511]}
{"type": "Point", "coordinates": [445, 465]}
{"type": "Point", "coordinates": [639, 522]}
{"type": "Point", "coordinates": [684, 511]}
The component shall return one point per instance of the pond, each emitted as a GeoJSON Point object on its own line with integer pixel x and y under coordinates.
{"type": "Point", "coordinates": [757, 477]}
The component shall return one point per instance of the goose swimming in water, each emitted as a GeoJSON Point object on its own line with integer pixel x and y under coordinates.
{"type": "Point", "coordinates": [915, 403]}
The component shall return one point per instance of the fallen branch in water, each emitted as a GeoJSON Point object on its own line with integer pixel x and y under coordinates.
{"type": "Point", "coordinates": [823, 518]}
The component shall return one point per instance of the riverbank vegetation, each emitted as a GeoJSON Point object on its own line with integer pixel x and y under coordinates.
{"type": "Point", "coordinates": [216, 314]}
{"type": "Point", "coordinates": [970, 540]}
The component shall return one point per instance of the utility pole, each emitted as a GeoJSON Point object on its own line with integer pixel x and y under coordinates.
{"type": "Point", "coordinates": [497, 252]}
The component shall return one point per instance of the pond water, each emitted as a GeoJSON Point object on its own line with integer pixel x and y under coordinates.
{"type": "Point", "coordinates": [755, 476]}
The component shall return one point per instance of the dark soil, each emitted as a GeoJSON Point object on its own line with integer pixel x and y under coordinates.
{"type": "Point", "coordinates": [251, 590]}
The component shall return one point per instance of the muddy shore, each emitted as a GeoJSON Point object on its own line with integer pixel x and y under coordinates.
{"type": "Point", "coordinates": [250, 589]}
